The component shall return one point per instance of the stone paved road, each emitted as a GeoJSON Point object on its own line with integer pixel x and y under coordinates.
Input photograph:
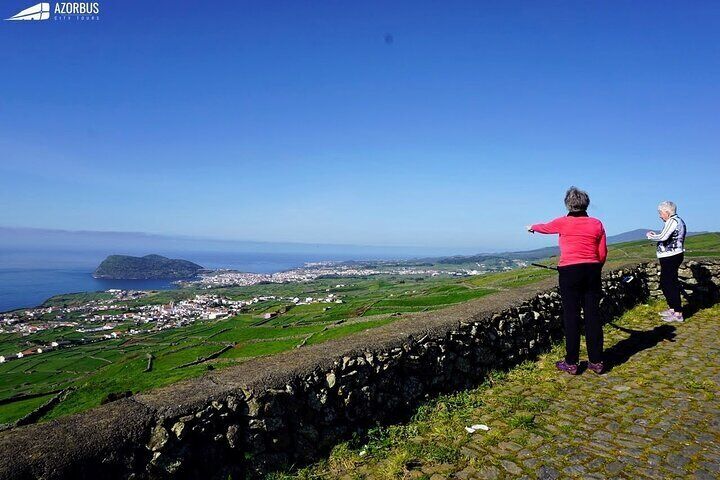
{"type": "Point", "coordinates": [655, 415]}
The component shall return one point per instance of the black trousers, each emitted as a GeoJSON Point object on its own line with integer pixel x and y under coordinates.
{"type": "Point", "coordinates": [581, 287]}
{"type": "Point", "coordinates": [669, 282]}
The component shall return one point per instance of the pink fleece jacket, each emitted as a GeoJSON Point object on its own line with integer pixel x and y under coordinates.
{"type": "Point", "coordinates": [582, 239]}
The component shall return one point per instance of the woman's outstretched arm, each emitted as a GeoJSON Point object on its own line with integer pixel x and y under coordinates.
{"type": "Point", "coordinates": [550, 227]}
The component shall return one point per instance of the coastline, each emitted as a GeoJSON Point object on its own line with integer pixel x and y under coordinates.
{"type": "Point", "coordinates": [30, 288]}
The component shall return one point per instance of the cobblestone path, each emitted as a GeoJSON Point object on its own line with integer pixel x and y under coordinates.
{"type": "Point", "coordinates": [655, 414]}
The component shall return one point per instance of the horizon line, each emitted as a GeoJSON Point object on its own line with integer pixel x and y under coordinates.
{"type": "Point", "coordinates": [186, 237]}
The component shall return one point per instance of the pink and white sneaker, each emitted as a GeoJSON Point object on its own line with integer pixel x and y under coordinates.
{"type": "Point", "coordinates": [674, 317]}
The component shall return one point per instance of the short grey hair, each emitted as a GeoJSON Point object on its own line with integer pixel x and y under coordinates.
{"type": "Point", "coordinates": [667, 206]}
{"type": "Point", "coordinates": [576, 200]}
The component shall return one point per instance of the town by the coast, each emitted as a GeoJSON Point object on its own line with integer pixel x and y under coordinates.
{"type": "Point", "coordinates": [116, 313]}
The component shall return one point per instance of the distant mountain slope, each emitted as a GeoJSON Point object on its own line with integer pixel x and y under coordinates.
{"type": "Point", "coordinates": [638, 234]}
{"type": "Point", "coordinates": [631, 236]}
{"type": "Point", "coordinates": [540, 253]}
{"type": "Point", "coordinates": [533, 254]}
{"type": "Point", "coordinates": [125, 267]}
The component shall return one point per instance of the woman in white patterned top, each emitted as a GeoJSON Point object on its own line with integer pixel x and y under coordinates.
{"type": "Point", "coordinates": [671, 253]}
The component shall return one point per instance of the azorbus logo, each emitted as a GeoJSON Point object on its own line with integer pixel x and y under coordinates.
{"type": "Point", "coordinates": [41, 11]}
{"type": "Point", "coordinates": [61, 11]}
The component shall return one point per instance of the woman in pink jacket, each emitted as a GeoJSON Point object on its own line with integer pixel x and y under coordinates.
{"type": "Point", "coordinates": [583, 250]}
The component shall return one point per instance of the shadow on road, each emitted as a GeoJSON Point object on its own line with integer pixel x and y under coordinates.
{"type": "Point", "coordinates": [638, 341]}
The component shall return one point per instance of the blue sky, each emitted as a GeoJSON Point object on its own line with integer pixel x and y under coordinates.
{"type": "Point", "coordinates": [302, 122]}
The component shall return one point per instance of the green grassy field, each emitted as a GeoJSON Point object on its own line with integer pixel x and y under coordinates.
{"type": "Point", "coordinates": [96, 370]}
{"type": "Point", "coordinates": [117, 366]}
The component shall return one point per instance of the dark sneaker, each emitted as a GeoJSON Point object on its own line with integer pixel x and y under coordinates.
{"type": "Point", "coordinates": [596, 367]}
{"type": "Point", "coordinates": [570, 368]}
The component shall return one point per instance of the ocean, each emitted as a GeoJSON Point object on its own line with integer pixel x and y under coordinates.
{"type": "Point", "coordinates": [28, 278]}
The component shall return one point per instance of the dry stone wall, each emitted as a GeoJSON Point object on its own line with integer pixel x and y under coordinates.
{"type": "Point", "coordinates": [292, 408]}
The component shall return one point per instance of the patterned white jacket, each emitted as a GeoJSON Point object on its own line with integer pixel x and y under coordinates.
{"type": "Point", "coordinates": [671, 241]}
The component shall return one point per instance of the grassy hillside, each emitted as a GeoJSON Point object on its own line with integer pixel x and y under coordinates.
{"type": "Point", "coordinates": [703, 245]}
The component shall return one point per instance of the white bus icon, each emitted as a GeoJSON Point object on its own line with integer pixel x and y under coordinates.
{"type": "Point", "coordinates": [41, 11]}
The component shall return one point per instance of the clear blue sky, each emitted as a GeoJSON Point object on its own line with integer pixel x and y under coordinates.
{"type": "Point", "coordinates": [302, 122]}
